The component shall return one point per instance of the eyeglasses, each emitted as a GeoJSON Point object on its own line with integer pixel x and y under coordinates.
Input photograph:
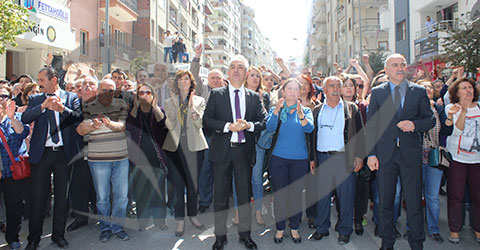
{"type": "Point", "coordinates": [141, 93]}
{"type": "Point", "coordinates": [4, 96]}
{"type": "Point", "coordinates": [106, 90]}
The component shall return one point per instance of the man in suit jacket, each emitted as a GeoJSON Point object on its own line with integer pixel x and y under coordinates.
{"type": "Point", "coordinates": [234, 114]}
{"type": "Point", "coordinates": [398, 114]}
{"type": "Point", "coordinates": [56, 114]}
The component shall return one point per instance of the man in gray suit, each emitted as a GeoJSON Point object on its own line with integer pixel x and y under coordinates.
{"type": "Point", "coordinates": [398, 114]}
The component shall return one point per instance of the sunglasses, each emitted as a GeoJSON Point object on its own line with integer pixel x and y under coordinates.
{"type": "Point", "coordinates": [142, 93]}
{"type": "Point", "coordinates": [4, 96]}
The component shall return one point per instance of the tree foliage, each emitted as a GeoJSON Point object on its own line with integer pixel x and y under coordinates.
{"type": "Point", "coordinates": [13, 22]}
{"type": "Point", "coordinates": [462, 46]}
{"type": "Point", "coordinates": [377, 59]}
{"type": "Point", "coordinates": [140, 62]}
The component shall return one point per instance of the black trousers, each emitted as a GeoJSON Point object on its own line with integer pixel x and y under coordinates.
{"type": "Point", "coordinates": [361, 198]}
{"type": "Point", "coordinates": [51, 162]}
{"type": "Point", "coordinates": [236, 164]}
{"type": "Point", "coordinates": [411, 179]}
{"type": "Point", "coordinates": [82, 190]}
{"type": "Point", "coordinates": [12, 192]}
{"type": "Point", "coordinates": [185, 176]}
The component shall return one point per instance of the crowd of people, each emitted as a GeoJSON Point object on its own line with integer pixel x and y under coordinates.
{"type": "Point", "coordinates": [183, 144]}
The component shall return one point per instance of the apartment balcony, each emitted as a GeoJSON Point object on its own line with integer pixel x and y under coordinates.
{"type": "Point", "coordinates": [369, 26]}
{"type": "Point", "coordinates": [427, 42]}
{"type": "Point", "coordinates": [122, 10]}
{"type": "Point", "coordinates": [208, 7]}
{"type": "Point", "coordinates": [369, 3]}
{"type": "Point", "coordinates": [442, 26]}
{"type": "Point", "coordinates": [218, 34]}
{"type": "Point", "coordinates": [321, 34]}
{"type": "Point", "coordinates": [225, 21]}
{"type": "Point", "coordinates": [321, 15]}
{"type": "Point", "coordinates": [208, 25]}
{"type": "Point", "coordinates": [208, 43]}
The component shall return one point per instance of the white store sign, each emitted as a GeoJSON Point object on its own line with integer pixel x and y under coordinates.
{"type": "Point", "coordinates": [52, 29]}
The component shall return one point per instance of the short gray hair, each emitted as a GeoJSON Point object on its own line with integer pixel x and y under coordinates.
{"type": "Point", "coordinates": [391, 56]}
{"type": "Point", "coordinates": [108, 81]}
{"type": "Point", "coordinates": [331, 78]}
{"type": "Point", "coordinates": [239, 58]}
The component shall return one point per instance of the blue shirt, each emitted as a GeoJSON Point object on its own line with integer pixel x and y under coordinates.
{"type": "Point", "coordinates": [403, 91]}
{"type": "Point", "coordinates": [331, 124]}
{"type": "Point", "coordinates": [291, 142]}
{"type": "Point", "coordinates": [15, 141]}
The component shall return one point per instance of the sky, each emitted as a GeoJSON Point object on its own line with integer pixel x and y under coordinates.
{"type": "Point", "coordinates": [285, 23]}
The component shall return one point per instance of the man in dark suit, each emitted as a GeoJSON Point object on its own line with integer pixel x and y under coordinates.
{"type": "Point", "coordinates": [56, 114]}
{"type": "Point", "coordinates": [234, 114]}
{"type": "Point", "coordinates": [398, 114]}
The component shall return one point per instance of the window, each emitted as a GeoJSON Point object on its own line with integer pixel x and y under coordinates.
{"type": "Point", "coordinates": [152, 34]}
{"type": "Point", "coordinates": [83, 42]}
{"type": "Point", "coordinates": [336, 36]}
{"type": "Point", "coordinates": [349, 24]}
{"type": "Point", "coordinates": [383, 45]}
{"type": "Point", "coordinates": [161, 37]}
{"type": "Point", "coordinates": [401, 31]}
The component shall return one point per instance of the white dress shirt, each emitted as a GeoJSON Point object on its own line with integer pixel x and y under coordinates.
{"type": "Point", "coordinates": [241, 95]}
{"type": "Point", "coordinates": [49, 142]}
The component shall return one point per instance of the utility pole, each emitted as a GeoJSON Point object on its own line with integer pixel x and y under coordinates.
{"type": "Point", "coordinates": [106, 60]}
{"type": "Point", "coordinates": [360, 27]}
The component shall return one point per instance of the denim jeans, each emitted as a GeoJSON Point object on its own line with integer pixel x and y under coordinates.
{"type": "Point", "coordinates": [183, 54]}
{"type": "Point", "coordinates": [431, 179]}
{"type": "Point", "coordinates": [116, 173]}
{"type": "Point", "coordinates": [205, 180]}
{"type": "Point", "coordinates": [397, 204]}
{"type": "Point", "coordinates": [167, 51]}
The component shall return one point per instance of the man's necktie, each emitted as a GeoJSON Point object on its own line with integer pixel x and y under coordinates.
{"type": "Point", "coordinates": [53, 126]}
{"type": "Point", "coordinates": [238, 115]}
{"type": "Point", "coordinates": [398, 101]}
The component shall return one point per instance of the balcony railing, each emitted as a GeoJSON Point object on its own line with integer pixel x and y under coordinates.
{"type": "Point", "coordinates": [369, 3]}
{"type": "Point", "coordinates": [367, 25]}
{"type": "Point", "coordinates": [438, 26]}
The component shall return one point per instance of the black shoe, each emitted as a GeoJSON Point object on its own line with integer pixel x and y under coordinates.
{"type": "Point", "coordinates": [249, 243]}
{"type": "Point", "coordinates": [278, 240]}
{"type": "Point", "coordinates": [122, 235]}
{"type": "Point", "coordinates": [386, 248]}
{"type": "Point", "coordinates": [375, 232]}
{"type": "Point", "coordinates": [179, 233]}
{"type": "Point", "coordinates": [343, 239]}
{"type": "Point", "coordinates": [442, 192]}
{"type": "Point", "coordinates": [220, 242]}
{"type": "Point", "coordinates": [31, 246]}
{"type": "Point", "coordinates": [437, 238]}
{"type": "Point", "coordinates": [162, 227]}
{"type": "Point", "coordinates": [76, 225]}
{"type": "Point", "coordinates": [405, 235]}
{"type": "Point", "coordinates": [358, 229]}
{"type": "Point", "coordinates": [105, 235]}
{"type": "Point", "coordinates": [296, 240]}
{"type": "Point", "coordinates": [311, 223]}
{"type": "Point", "coordinates": [60, 242]}
{"type": "Point", "coordinates": [397, 233]}
{"type": "Point", "coordinates": [317, 235]}
{"type": "Point", "coordinates": [198, 226]}
{"type": "Point", "coordinates": [202, 209]}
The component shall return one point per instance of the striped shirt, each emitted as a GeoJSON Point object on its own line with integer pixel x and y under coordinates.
{"type": "Point", "coordinates": [104, 145]}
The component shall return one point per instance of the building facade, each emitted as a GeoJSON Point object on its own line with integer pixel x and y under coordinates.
{"type": "Point", "coordinates": [225, 36]}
